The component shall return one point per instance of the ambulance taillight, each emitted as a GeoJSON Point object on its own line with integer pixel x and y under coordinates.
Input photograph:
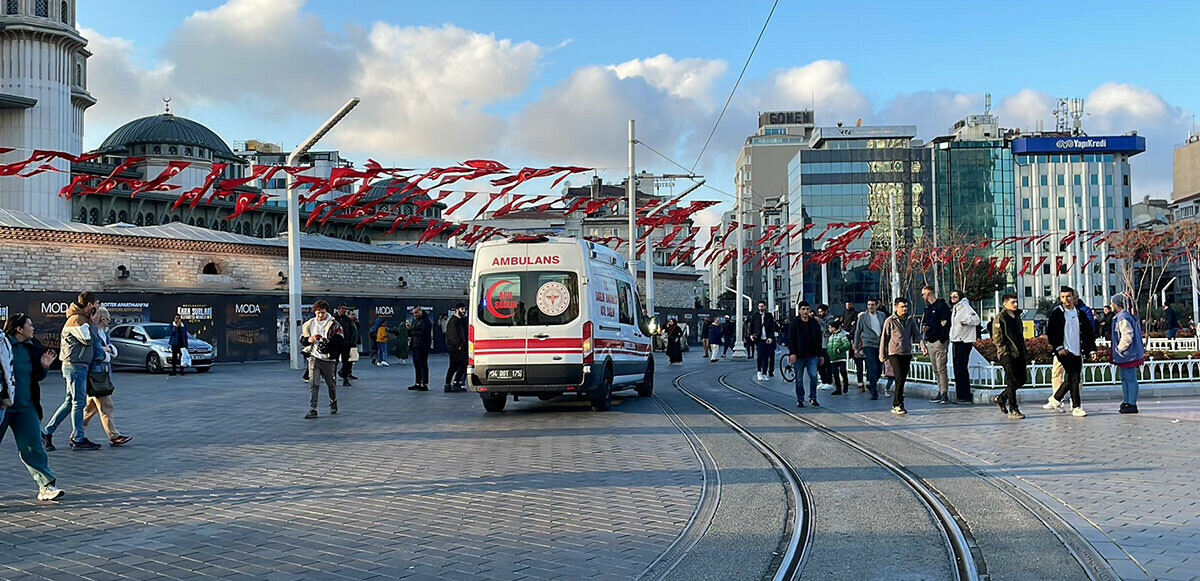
{"type": "Point", "coordinates": [471, 346]}
{"type": "Point", "coordinates": [589, 355]}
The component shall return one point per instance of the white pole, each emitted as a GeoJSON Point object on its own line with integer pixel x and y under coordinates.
{"type": "Point", "coordinates": [650, 271]}
{"type": "Point", "coordinates": [770, 285]}
{"type": "Point", "coordinates": [892, 221]}
{"type": "Point", "coordinates": [739, 347]}
{"type": "Point", "coordinates": [293, 220]}
{"type": "Point", "coordinates": [631, 193]}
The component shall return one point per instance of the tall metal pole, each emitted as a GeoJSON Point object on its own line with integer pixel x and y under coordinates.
{"type": "Point", "coordinates": [892, 222]}
{"type": "Point", "coordinates": [650, 269]}
{"type": "Point", "coordinates": [293, 221]}
{"type": "Point", "coordinates": [739, 347]}
{"type": "Point", "coordinates": [631, 192]}
{"type": "Point", "coordinates": [1195, 296]}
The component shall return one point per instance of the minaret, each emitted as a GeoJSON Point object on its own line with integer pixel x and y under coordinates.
{"type": "Point", "coordinates": [43, 94]}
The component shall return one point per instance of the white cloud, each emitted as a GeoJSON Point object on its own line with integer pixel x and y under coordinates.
{"type": "Point", "coordinates": [1026, 109]}
{"type": "Point", "coordinates": [824, 85]}
{"type": "Point", "coordinates": [691, 78]}
{"type": "Point", "coordinates": [123, 90]}
{"type": "Point", "coordinates": [1115, 108]}
{"type": "Point", "coordinates": [933, 112]}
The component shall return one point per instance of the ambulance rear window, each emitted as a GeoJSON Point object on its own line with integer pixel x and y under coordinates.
{"type": "Point", "coordinates": [517, 299]}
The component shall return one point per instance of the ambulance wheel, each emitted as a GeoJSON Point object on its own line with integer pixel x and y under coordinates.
{"type": "Point", "coordinates": [602, 401]}
{"type": "Point", "coordinates": [646, 387]}
{"type": "Point", "coordinates": [494, 402]}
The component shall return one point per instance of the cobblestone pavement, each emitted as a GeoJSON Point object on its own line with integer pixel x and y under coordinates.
{"type": "Point", "coordinates": [1126, 482]}
{"type": "Point", "coordinates": [225, 479]}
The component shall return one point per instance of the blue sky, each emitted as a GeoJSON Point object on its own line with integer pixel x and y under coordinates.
{"type": "Point", "coordinates": [527, 82]}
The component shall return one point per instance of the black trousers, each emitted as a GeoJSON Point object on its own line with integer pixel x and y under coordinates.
{"type": "Point", "coordinates": [858, 370]}
{"type": "Point", "coordinates": [420, 357]}
{"type": "Point", "coordinates": [177, 363]}
{"type": "Point", "coordinates": [1015, 371]}
{"type": "Point", "coordinates": [456, 372]}
{"type": "Point", "coordinates": [1073, 365]}
{"type": "Point", "coordinates": [962, 371]}
{"type": "Point", "coordinates": [346, 367]}
{"type": "Point", "coordinates": [825, 370]}
{"type": "Point", "coordinates": [841, 379]}
{"type": "Point", "coordinates": [900, 365]}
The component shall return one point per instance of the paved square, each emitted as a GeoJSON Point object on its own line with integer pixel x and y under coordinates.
{"type": "Point", "coordinates": [225, 478]}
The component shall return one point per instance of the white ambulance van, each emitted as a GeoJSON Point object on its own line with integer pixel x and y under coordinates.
{"type": "Point", "coordinates": [553, 316]}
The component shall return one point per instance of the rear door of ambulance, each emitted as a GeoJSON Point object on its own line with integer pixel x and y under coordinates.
{"type": "Point", "coordinates": [555, 313]}
{"type": "Point", "coordinates": [499, 337]}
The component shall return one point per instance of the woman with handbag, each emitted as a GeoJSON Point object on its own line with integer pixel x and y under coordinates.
{"type": "Point", "coordinates": [100, 385]}
{"type": "Point", "coordinates": [23, 364]}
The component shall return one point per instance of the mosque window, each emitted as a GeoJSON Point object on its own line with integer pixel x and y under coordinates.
{"type": "Point", "coordinates": [211, 268]}
{"type": "Point", "coordinates": [79, 74]}
{"type": "Point", "coordinates": [83, 215]}
{"type": "Point", "coordinates": [141, 219]}
{"type": "Point", "coordinates": [158, 149]}
{"type": "Point", "coordinates": [187, 151]}
{"type": "Point", "coordinates": [41, 8]}
{"type": "Point", "coordinates": [64, 15]}
{"type": "Point", "coordinates": [112, 217]}
{"type": "Point", "coordinates": [200, 222]}
{"type": "Point", "coordinates": [11, 6]}
{"type": "Point", "coordinates": [94, 217]}
{"type": "Point", "coordinates": [123, 217]}
{"type": "Point", "coordinates": [150, 220]}
{"type": "Point", "coordinates": [173, 150]}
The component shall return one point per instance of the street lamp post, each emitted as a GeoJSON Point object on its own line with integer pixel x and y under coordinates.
{"type": "Point", "coordinates": [739, 347]}
{"type": "Point", "coordinates": [293, 221]}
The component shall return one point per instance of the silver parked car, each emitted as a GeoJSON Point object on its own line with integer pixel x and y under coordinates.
{"type": "Point", "coordinates": [145, 345]}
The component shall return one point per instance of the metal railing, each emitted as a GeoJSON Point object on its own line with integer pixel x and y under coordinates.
{"type": "Point", "coordinates": [1183, 344]}
{"type": "Point", "coordinates": [1099, 374]}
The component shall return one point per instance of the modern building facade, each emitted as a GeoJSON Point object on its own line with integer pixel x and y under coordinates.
{"type": "Point", "coordinates": [43, 96]}
{"type": "Point", "coordinates": [973, 193]}
{"type": "Point", "coordinates": [1186, 169]}
{"type": "Point", "coordinates": [850, 174]}
{"type": "Point", "coordinates": [1068, 183]}
{"type": "Point", "coordinates": [761, 178]}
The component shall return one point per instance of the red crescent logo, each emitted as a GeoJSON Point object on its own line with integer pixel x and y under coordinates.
{"type": "Point", "coordinates": [490, 302]}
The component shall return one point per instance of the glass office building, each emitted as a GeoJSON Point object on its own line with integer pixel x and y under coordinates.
{"type": "Point", "coordinates": [851, 174]}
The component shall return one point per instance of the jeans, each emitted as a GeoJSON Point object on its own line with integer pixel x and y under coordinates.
{"type": "Point", "coordinates": [76, 377]}
{"type": "Point", "coordinates": [874, 368]}
{"type": "Point", "coordinates": [1073, 365]}
{"type": "Point", "coordinates": [456, 372]}
{"type": "Point", "coordinates": [27, 432]}
{"type": "Point", "coordinates": [1015, 371]}
{"type": "Point", "coordinates": [806, 365]}
{"type": "Point", "coordinates": [858, 370]}
{"type": "Point", "coordinates": [900, 364]}
{"type": "Point", "coordinates": [962, 370]}
{"type": "Point", "coordinates": [1129, 384]}
{"type": "Point", "coordinates": [1171, 333]}
{"type": "Point", "coordinates": [381, 352]}
{"type": "Point", "coordinates": [321, 369]}
{"type": "Point", "coordinates": [420, 357]}
{"type": "Point", "coordinates": [938, 350]}
{"type": "Point", "coordinates": [766, 354]}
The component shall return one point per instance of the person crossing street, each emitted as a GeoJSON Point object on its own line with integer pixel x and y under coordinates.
{"type": "Point", "coordinates": [762, 332]}
{"type": "Point", "coordinates": [935, 326]}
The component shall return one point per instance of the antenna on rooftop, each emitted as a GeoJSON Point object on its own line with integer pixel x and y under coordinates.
{"type": "Point", "coordinates": [987, 103]}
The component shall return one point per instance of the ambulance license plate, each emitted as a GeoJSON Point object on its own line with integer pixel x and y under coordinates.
{"type": "Point", "coordinates": [506, 375]}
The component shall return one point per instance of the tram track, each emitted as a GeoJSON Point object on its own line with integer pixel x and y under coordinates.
{"type": "Point", "coordinates": [959, 543]}
{"type": "Point", "coordinates": [794, 552]}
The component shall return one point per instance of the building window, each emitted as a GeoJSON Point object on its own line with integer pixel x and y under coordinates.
{"type": "Point", "coordinates": [83, 215]}
{"type": "Point", "coordinates": [1062, 202]}
{"type": "Point", "coordinates": [41, 8]}
{"type": "Point", "coordinates": [1108, 179]}
{"type": "Point", "coordinates": [1025, 224]}
{"type": "Point", "coordinates": [1045, 179]}
{"type": "Point", "coordinates": [1062, 224]}
{"type": "Point", "coordinates": [1095, 201]}
{"type": "Point", "coordinates": [1094, 179]}
{"type": "Point", "coordinates": [10, 7]}
{"type": "Point", "coordinates": [1125, 179]}
{"type": "Point", "coordinates": [63, 14]}
{"type": "Point", "coordinates": [1046, 268]}
{"type": "Point", "coordinates": [1046, 291]}
{"type": "Point", "coordinates": [158, 149]}
{"type": "Point", "coordinates": [173, 150]}
{"type": "Point", "coordinates": [112, 217]}
{"type": "Point", "coordinates": [1095, 223]}
{"type": "Point", "coordinates": [1045, 202]}
{"type": "Point", "coordinates": [1028, 292]}
{"type": "Point", "coordinates": [94, 217]}
{"type": "Point", "coordinates": [1126, 202]}
{"type": "Point", "coordinates": [1078, 179]}
{"type": "Point", "coordinates": [123, 217]}
{"type": "Point", "coordinates": [1062, 180]}
{"type": "Point", "coordinates": [187, 151]}
{"type": "Point", "coordinates": [1045, 225]}
{"type": "Point", "coordinates": [211, 268]}
{"type": "Point", "coordinates": [1025, 181]}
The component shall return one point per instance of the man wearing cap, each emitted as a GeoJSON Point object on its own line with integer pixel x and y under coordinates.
{"type": "Point", "coordinates": [456, 346]}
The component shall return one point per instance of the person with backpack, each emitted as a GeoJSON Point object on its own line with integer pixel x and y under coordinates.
{"type": "Point", "coordinates": [839, 347]}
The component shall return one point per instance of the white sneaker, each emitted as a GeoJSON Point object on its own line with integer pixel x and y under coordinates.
{"type": "Point", "coordinates": [1052, 404]}
{"type": "Point", "coordinates": [899, 410]}
{"type": "Point", "coordinates": [385, 364]}
{"type": "Point", "coordinates": [50, 493]}
{"type": "Point", "coordinates": [1078, 412]}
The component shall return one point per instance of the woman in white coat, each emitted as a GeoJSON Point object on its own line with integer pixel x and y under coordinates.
{"type": "Point", "coordinates": [964, 327]}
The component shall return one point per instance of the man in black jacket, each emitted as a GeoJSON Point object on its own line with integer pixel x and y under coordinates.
{"type": "Point", "coordinates": [762, 333]}
{"type": "Point", "coordinates": [421, 335]}
{"type": "Point", "coordinates": [350, 332]}
{"type": "Point", "coordinates": [935, 327]}
{"type": "Point", "coordinates": [456, 346]}
{"type": "Point", "coordinates": [849, 319]}
{"type": "Point", "coordinates": [804, 342]}
{"type": "Point", "coordinates": [1008, 334]}
{"type": "Point", "coordinates": [1070, 334]}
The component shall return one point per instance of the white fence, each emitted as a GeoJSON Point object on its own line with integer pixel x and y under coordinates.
{"type": "Point", "coordinates": [1098, 374]}
{"type": "Point", "coordinates": [1187, 345]}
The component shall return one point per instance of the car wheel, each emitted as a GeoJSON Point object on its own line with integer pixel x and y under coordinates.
{"type": "Point", "coordinates": [646, 387]}
{"type": "Point", "coordinates": [154, 363]}
{"type": "Point", "coordinates": [203, 369]}
{"type": "Point", "coordinates": [602, 401]}
{"type": "Point", "coordinates": [494, 402]}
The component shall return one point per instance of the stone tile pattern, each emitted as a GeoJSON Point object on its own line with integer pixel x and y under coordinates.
{"type": "Point", "coordinates": [225, 479]}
